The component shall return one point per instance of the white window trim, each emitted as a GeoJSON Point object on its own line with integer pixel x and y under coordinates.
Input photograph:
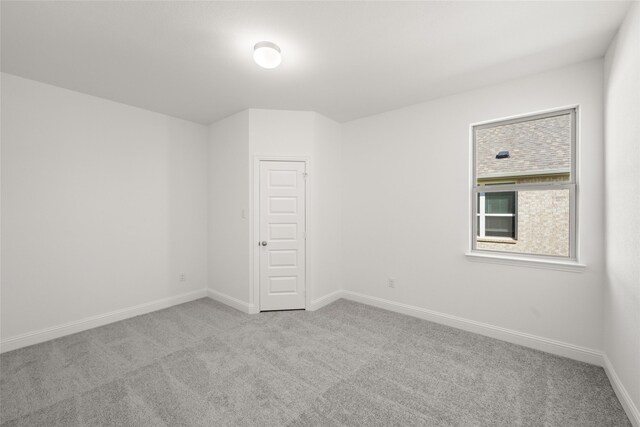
{"type": "Point", "coordinates": [507, 258]}
{"type": "Point", "coordinates": [570, 263]}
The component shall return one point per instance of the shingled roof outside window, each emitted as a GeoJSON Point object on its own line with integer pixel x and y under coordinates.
{"type": "Point", "coordinates": [536, 147]}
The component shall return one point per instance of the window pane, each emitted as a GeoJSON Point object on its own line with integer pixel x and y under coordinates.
{"type": "Point", "coordinates": [500, 226]}
{"type": "Point", "coordinates": [530, 151]}
{"type": "Point", "coordinates": [504, 202]}
{"type": "Point", "coordinates": [542, 224]}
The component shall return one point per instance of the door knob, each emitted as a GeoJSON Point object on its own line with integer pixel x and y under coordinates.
{"type": "Point", "coordinates": [264, 243]}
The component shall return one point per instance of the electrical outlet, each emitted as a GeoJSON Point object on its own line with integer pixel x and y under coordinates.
{"type": "Point", "coordinates": [392, 282]}
{"type": "Point", "coordinates": [182, 277]}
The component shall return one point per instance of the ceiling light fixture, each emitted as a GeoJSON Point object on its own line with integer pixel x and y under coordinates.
{"type": "Point", "coordinates": [267, 54]}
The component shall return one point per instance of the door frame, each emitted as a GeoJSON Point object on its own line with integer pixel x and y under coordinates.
{"type": "Point", "coordinates": [254, 234]}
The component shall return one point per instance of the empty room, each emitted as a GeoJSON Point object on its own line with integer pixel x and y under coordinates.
{"type": "Point", "coordinates": [325, 213]}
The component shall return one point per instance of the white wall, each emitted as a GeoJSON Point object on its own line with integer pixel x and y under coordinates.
{"type": "Point", "coordinates": [326, 209]}
{"type": "Point", "coordinates": [229, 167]}
{"type": "Point", "coordinates": [278, 133]}
{"type": "Point", "coordinates": [235, 143]}
{"type": "Point", "coordinates": [622, 201]}
{"type": "Point", "coordinates": [406, 211]}
{"type": "Point", "coordinates": [281, 133]}
{"type": "Point", "coordinates": [103, 205]}
{"type": "Point", "coordinates": [308, 134]}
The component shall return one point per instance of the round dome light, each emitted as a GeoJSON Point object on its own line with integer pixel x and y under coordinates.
{"type": "Point", "coordinates": [267, 54]}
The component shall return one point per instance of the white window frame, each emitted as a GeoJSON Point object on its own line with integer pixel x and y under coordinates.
{"type": "Point", "coordinates": [482, 215]}
{"type": "Point", "coordinates": [571, 186]}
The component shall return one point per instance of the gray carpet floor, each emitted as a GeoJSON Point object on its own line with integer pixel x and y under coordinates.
{"type": "Point", "coordinates": [203, 363]}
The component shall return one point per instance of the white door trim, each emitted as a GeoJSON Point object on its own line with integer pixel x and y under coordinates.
{"type": "Point", "coordinates": [254, 214]}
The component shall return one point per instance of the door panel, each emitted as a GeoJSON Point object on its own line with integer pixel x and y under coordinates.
{"type": "Point", "coordinates": [283, 205]}
{"type": "Point", "coordinates": [282, 228]}
{"type": "Point", "coordinates": [283, 285]}
{"type": "Point", "coordinates": [283, 232]}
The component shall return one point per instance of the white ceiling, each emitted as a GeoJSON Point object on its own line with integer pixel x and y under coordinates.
{"type": "Point", "coordinates": [342, 59]}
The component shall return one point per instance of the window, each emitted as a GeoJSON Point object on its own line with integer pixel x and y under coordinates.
{"type": "Point", "coordinates": [497, 215]}
{"type": "Point", "coordinates": [524, 185]}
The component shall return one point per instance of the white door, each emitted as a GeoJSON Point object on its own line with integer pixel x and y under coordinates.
{"type": "Point", "coordinates": [282, 235]}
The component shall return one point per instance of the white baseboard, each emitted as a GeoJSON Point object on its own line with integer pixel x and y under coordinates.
{"type": "Point", "coordinates": [623, 395]}
{"type": "Point", "coordinates": [559, 348]}
{"type": "Point", "coordinates": [35, 337]}
{"type": "Point", "coordinates": [253, 309]}
{"type": "Point", "coordinates": [245, 307]}
{"type": "Point", "coordinates": [325, 300]}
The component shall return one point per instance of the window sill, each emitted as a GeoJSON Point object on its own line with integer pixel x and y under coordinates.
{"type": "Point", "coordinates": [524, 261]}
{"type": "Point", "coordinates": [497, 240]}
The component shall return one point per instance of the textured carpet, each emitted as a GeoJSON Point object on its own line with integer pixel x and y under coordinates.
{"type": "Point", "coordinates": [203, 363]}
